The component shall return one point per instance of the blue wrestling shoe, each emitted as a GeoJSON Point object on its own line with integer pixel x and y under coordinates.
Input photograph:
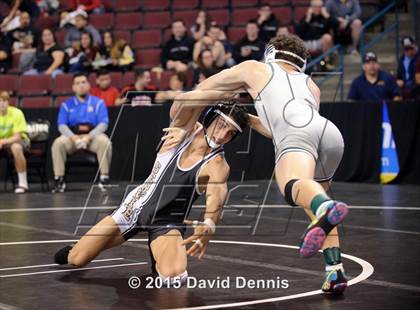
{"type": "Point", "coordinates": [314, 236]}
{"type": "Point", "coordinates": [335, 282]}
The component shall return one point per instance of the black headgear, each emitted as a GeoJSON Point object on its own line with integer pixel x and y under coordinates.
{"type": "Point", "coordinates": [224, 110]}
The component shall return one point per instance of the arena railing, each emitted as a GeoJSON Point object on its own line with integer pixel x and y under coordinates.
{"type": "Point", "coordinates": [338, 69]}
{"type": "Point", "coordinates": [364, 46]}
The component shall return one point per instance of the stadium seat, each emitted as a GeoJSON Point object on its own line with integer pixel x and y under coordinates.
{"type": "Point", "coordinates": [104, 21]}
{"type": "Point", "coordinates": [92, 79]}
{"type": "Point", "coordinates": [301, 2]}
{"type": "Point", "coordinates": [243, 3]}
{"type": "Point", "coordinates": [211, 4]}
{"type": "Point", "coordinates": [167, 33]}
{"type": "Point", "coordinates": [184, 4]}
{"type": "Point", "coordinates": [59, 100]}
{"type": "Point", "coordinates": [123, 35]}
{"type": "Point", "coordinates": [277, 2]}
{"type": "Point", "coordinates": [128, 21]}
{"type": "Point", "coordinates": [235, 34]}
{"type": "Point", "coordinates": [36, 102]}
{"type": "Point", "coordinates": [284, 15]}
{"type": "Point", "coordinates": [14, 101]}
{"type": "Point", "coordinates": [31, 85]}
{"type": "Point", "coordinates": [128, 78]}
{"type": "Point", "coordinates": [60, 36]}
{"type": "Point", "coordinates": [62, 84]}
{"type": "Point", "coordinates": [44, 22]}
{"type": "Point", "coordinates": [221, 17]}
{"type": "Point", "coordinates": [65, 5]}
{"type": "Point", "coordinates": [9, 83]}
{"type": "Point", "coordinates": [146, 39]}
{"type": "Point", "coordinates": [109, 5]}
{"type": "Point", "coordinates": [156, 20]}
{"type": "Point", "coordinates": [127, 5]}
{"type": "Point", "coordinates": [164, 79]}
{"type": "Point", "coordinates": [242, 16]}
{"type": "Point", "coordinates": [155, 5]}
{"type": "Point", "coordinates": [299, 12]}
{"type": "Point", "coordinates": [116, 79]}
{"type": "Point", "coordinates": [188, 17]}
{"type": "Point", "coordinates": [147, 58]}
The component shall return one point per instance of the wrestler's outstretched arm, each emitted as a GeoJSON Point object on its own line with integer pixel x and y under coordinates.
{"type": "Point", "coordinates": [217, 172]}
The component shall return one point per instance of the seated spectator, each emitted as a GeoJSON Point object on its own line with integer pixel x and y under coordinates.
{"type": "Point", "coordinates": [75, 54]}
{"type": "Point", "coordinates": [5, 54]}
{"type": "Point", "coordinates": [229, 61]}
{"type": "Point", "coordinates": [114, 54]}
{"type": "Point", "coordinates": [48, 7]}
{"type": "Point", "coordinates": [90, 6]}
{"type": "Point", "coordinates": [25, 36]}
{"type": "Point", "coordinates": [14, 139]}
{"type": "Point", "coordinates": [374, 84]}
{"type": "Point", "coordinates": [346, 13]}
{"type": "Point", "coordinates": [315, 28]}
{"type": "Point", "coordinates": [89, 51]}
{"type": "Point", "coordinates": [282, 30]}
{"type": "Point", "coordinates": [407, 67]}
{"type": "Point", "coordinates": [81, 25]}
{"type": "Point", "coordinates": [142, 92]}
{"type": "Point", "coordinates": [104, 89]}
{"type": "Point", "coordinates": [202, 25]}
{"type": "Point", "coordinates": [211, 42]}
{"type": "Point", "coordinates": [267, 22]}
{"type": "Point", "coordinates": [206, 67]}
{"type": "Point", "coordinates": [82, 122]}
{"type": "Point", "coordinates": [49, 57]}
{"type": "Point", "coordinates": [11, 21]}
{"type": "Point", "coordinates": [177, 84]}
{"type": "Point", "coordinates": [250, 46]}
{"type": "Point", "coordinates": [177, 51]}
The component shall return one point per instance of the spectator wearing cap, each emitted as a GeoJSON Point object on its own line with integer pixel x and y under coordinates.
{"type": "Point", "coordinates": [347, 14]}
{"type": "Point", "coordinates": [177, 52]}
{"type": "Point", "coordinates": [81, 25]}
{"type": "Point", "coordinates": [250, 47]}
{"type": "Point", "coordinates": [315, 28]}
{"type": "Point", "coordinates": [267, 22]}
{"type": "Point", "coordinates": [407, 67]}
{"type": "Point", "coordinates": [374, 84]}
{"type": "Point", "coordinates": [104, 90]}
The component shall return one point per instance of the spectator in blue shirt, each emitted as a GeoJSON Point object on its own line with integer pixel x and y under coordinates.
{"type": "Point", "coordinates": [407, 68]}
{"type": "Point", "coordinates": [374, 84]}
{"type": "Point", "coordinates": [82, 122]}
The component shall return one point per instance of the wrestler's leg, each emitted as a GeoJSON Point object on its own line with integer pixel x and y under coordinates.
{"type": "Point", "coordinates": [170, 255]}
{"type": "Point", "coordinates": [103, 235]}
{"type": "Point", "coordinates": [294, 175]}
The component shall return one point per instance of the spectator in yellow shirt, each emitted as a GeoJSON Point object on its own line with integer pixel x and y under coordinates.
{"type": "Point", "coordinates": [14, 138]}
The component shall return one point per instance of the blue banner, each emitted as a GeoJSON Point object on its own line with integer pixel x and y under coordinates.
{"type": "Point", "coordinates": [390, 166]}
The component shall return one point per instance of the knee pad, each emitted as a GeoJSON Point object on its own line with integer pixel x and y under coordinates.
{"type": "Point", "coordinates": [182, 278]}
{"type": "Point", "coordinates": [62, 255]}
{"type": "Point", "coordinates": [288, 192]}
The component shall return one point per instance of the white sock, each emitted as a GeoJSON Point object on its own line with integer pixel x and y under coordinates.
{"type": "Point", "coordinates": [23, 180]}
{"type": "Point", "coordinates": [104, 176]}
{"type": "Point", "coordinates": [334, 267]}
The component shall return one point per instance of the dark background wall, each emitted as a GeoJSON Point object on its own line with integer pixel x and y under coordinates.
{"type": "Point", "coordinates": [251, 156]}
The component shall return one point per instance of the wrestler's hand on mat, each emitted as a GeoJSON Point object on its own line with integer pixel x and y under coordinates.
{"type": "Point", "coordinates": [173, 136]}
{"type": "Point", "coordinates": [200, 238]}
